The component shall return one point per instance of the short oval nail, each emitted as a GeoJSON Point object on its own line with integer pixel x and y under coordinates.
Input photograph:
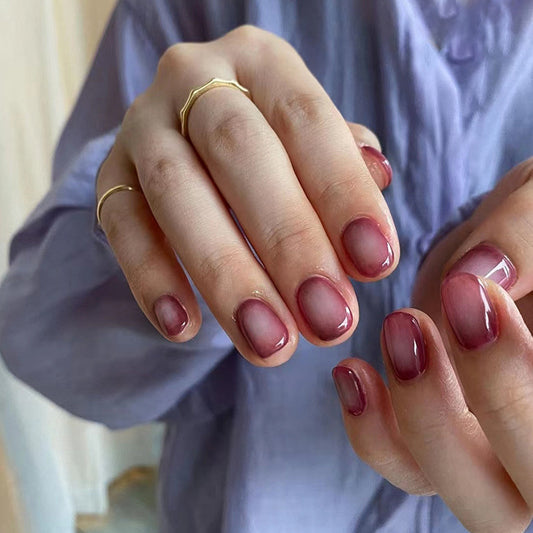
{"type": "Point", "coordinates": [349, 389]}
{"type": "Point", "coordinates": [261, 327]}
{"type": "Point", "coordinates": [469, 310]}
{"type": "Point", "coordinates": [324, 308]}
{"type": "Point", "coordinates": [171, 315]}
{"type": "Point", "coordinates": [405, 345]}
{"type": "Point", "coordinates": [377, 164]}
{"type": "Point", "coordinates": [487, 261]}
{"type": "Point", "coordinates": [367, 247]}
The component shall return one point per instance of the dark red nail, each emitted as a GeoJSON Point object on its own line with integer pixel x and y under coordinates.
{"type": "Point", "coordinates": [487, 261]}
{"type": "Point", "coordinates": [324, 308]}
{"type": "Point", "coordinates": [377, 164]}
{"type": "Point", "coordinates": [367, 247]}
{"type": "Point", "coordinates": [405, 345]}
{"type": "Point", "coordinates": [349, 389]}
{"type": "Point", "coordinates": [261, 327]}
{"type": "Point", "coordinates": [171, 315]}
{"type": "Point", "coordinates": [469, 310]}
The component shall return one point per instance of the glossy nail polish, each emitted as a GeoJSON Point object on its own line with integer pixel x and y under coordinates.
{"type": "Point", "coordinates": [469, 310]}
{"type": "Point", "coordinates": [171, 315]}
{"type": "Point", "coordinates": [261, 327]}
{"type": "Point", "coordinates": [324, 308]}
{"type": "Point", "coordinates": [349, 389]}
{"type": "Point", "coordinates": [367, 247]}
{"type": "Point", "coordinates": [487, 261]}
{"type": "Point", "coordinates": [377, 164]}
{"type": "Point", "coordinates": [405, 345]}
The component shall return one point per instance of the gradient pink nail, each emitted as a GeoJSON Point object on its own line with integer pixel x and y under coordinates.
{"type": "Point", "coordinates": [171, 315]}
{"type": "Point", "coordinates": [367, 247]}
{"type": "Point", "coordinates": [487, 261]}
{"type": "Point", "coordinates": [405, 345]}
{"type": "Point", "coordinates": [261, 327]}
{"type": "Point", "coordinates": [469, 310]}
{"type": "Point", "coordinates": [349, 389]}
{"type": "Point", "coordinates": [324, 308]}
{"type": "Point", "coordinates": [377, 164]}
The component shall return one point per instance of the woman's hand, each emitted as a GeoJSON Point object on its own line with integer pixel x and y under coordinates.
{"type": "Point", "coordinates": [457, 417]}
{"type": "Point", "coordinates": [286, 164]}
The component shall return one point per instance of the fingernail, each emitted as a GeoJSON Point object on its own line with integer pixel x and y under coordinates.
{"type": "Point", "coordinates": [377, 164]}
{"type": "Point", "coordinates": [405, 345]}
{"type": "Point", "coordinates": [261, 327]}
{"type": "Point", "coordinates": [469, 310]}
{"type": "Point", "coordinates": [487, 261]}
{"type": "Point", "coordinates": [367, 247]}
{"type": "Point", "coordinates": [171, 315]}
{"type": "Point", "coordinates": [324, 308]}
{"type": "Point", "coordinates": [349, 389]}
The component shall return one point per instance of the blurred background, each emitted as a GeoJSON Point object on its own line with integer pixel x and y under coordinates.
{"type": "Point", "coordinates": [58, 474]}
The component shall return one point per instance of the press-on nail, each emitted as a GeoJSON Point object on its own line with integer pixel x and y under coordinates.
{"type": "Point", "coordinates": [367, 247]}
{"type": "Point", "coordinates": [469, 310]}
{"type": "Point", "coordinates": [405, 344]}
{"type": "Point", "coordinates": [171, 315]}
{"type": "Point", "coordinates": [487, 261]}
{"type": "Point", "coordinates": [261, 327]}
{"type": "Point", "coordinates": [324, 308]}
{"type": "Point", "coordinates": [349, 389]}
{"type": "Point", "coordinates": [377, 164]}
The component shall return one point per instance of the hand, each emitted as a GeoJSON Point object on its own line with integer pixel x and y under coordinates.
{"type": "Point", "coordinates": [457, 417]}
{"type": "Point", "coordinates": [286, 165]}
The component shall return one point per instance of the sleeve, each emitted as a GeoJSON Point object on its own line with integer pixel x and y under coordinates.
{"type": "Point", "coordinates": [69, 326]}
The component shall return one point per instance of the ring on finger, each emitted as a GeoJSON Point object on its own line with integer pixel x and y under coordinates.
{"type": "Point", "coordinates": [198, 91]}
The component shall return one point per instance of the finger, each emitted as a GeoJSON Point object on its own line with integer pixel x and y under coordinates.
{"type": "Point", "coordinates": [442, 434]}
{"type": "Point", "coordinates": [377, 164]}
{"type": "Point", "coordinates": [156, 279]}
{"type": "Point", "coordinates": [249, 165]}
{"type": "Point", "coordinates": [322, 152]}
{"type": "Point", "coordinates": [500, 247]}
{"type": "Point", "coordinates": [372, 427]}
{"type": "Point", "coordinates": [493, 351]}
{"type": "Point", "coordinates": [199, 227]}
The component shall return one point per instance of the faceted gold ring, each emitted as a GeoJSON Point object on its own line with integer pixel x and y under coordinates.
{"type": "Point", "coordinates": [198, 91]}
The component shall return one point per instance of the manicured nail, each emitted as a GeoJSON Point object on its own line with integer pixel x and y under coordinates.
{"type": "Point", "coordinates": [487, 261]}
{"type": "Point", "coordinates": [377, 164]}
{"type": "Point", "coordinates": [324, 308]}
{"type": "Point", "coordinates": [367, 247]}
{"type": "Point", "coordinates": [261, 327]}
{"type": "Point", "coordinates": [469, 310]}
{"type": "Point", "coordinates": [349, 389]}
{"type": "Point", "coordinates": [405, 345]}
{"type": "Point", "coordinates": [171, 315]}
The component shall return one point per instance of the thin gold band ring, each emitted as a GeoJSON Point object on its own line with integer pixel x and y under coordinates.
{"type": "Point", "coordinates": [198, 91]}
{"type": "Point", "coordinates": [107, 194]}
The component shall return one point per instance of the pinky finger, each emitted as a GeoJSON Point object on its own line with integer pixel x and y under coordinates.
{"type": "Point", "coordinates": [155, 277]}
{"type": "Point", "coordinates": [372, 427]}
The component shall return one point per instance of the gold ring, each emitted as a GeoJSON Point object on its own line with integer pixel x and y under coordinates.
{"type": "Point", "coordinates": [198, 91]}
{"type": "Point", "coordinates": [107, 194]}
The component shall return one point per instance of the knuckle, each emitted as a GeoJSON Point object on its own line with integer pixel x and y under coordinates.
{"type": "Point", "coordinates": [158, 175]}
{"type": "Point", "coordinates": [231, 133]}
{"type": "Point", "coordinates": [336, 192]}
{"type": "Point", "coordinates": [509, 411]}
{"type": "Point", "coordinates": [296, 113]}
{"type": "Point", "coordinates": [175, 58]}
{"type": "Point", "coordinates": [289, 237]}
{"type": "Point", "coordinates": [220, 264]}
{"type": "Point", "coordinates": [251, 35]}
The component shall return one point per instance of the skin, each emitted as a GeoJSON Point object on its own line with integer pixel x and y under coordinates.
{"type": "Point", "coordinates": [463, 428]}
{"type": "Point", "coordinates": [295, 150]}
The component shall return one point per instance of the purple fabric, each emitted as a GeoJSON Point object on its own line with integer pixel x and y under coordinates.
{"type": "Point", "coordinates": [447, 88]}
